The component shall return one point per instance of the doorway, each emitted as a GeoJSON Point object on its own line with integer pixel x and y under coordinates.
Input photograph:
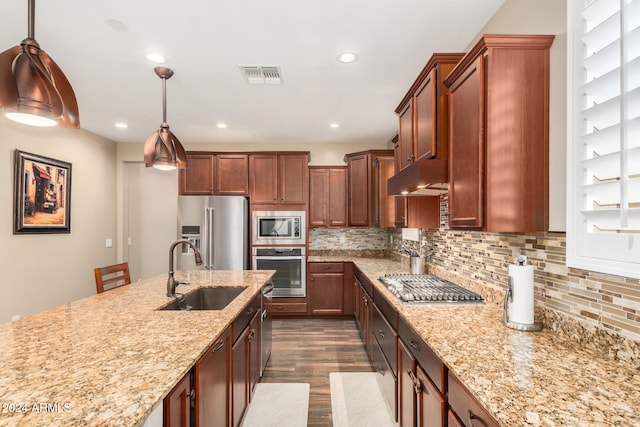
{"type": "Point", "coordinates": [150, 218]}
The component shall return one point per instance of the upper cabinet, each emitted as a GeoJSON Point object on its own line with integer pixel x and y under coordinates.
{"type": "Point", "coordinates": [279, 178]}
{"type": "Point", "coordinates": [363, 191]}
{"type": "Point", "coordinates": [499, 135]}
{"type": "Point", "coordinates": [327, 196]}
{"type": "Point", "coordinates": [215, 174]}
{"type": "Point", "coordinates": [422, 112]}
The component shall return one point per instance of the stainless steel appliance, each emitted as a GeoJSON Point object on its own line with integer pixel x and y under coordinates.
{"type": "Point", "coordinates": [266, 326]}
{"type": "Point", "coordinates": [279, 227]}
{"type": "Point", "coordinates": [290, 265]}
{"type": "Point", "coordinates": [219, 227]}
{"type": "Point", "coordinates": [426, 288]}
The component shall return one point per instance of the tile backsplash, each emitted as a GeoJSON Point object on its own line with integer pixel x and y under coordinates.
{"type": "Point", "coordinates": [322, 239]}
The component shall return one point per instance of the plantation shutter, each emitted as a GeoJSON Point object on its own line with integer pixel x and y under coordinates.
{"type": "Point", "coordinates": [606, 135]}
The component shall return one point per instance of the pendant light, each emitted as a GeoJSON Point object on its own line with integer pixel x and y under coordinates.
{"type": "Point", "coordinates": [163, 150]}
{"type": "Point", "coordinates": [33, 89]}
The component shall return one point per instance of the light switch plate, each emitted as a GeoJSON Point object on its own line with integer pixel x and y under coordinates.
{"type": "Point", "coordinates": [109, 243]}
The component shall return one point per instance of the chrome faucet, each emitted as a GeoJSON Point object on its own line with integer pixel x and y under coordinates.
{"type": "Point", "coordinates": [171, 281]}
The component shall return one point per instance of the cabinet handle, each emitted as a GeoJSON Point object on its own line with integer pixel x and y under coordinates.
{"type": "Point", "coordinates": [381, 371]}
{"type": "Point", "coordinates": [472, 417]}
{"type": "Point", "coordinates": [325, 267]}
{"type": "Point", "coordinates": [414, 345]}
{"type": "Point", "coordinates": [414, 380]}
{"type": "Point", "coordinates": [277, 307]}
{"type": "Point", "coordinates": [381, 333]}
{"type": "Point", "coordinates": [251, 311]}
{"type": "Point", "coordinates": [252, 334]}
{"type": "Point", "coordinates": [218, 347]}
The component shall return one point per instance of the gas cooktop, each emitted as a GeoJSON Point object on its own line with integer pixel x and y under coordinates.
{"type": "Point", "coordinates": [426, 288]}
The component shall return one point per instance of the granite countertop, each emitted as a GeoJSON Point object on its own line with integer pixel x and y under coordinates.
{"type": "Point", "coordinates": [110, 359]}
{"type": "Point", "coordinates": [521, 378]}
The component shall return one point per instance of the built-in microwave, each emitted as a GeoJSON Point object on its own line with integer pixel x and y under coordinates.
{"type": "Point", "coordinates": [279, 228]}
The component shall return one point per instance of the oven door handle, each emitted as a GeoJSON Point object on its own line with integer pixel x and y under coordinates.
{"type": "Point", "coordinates": [282, 258]}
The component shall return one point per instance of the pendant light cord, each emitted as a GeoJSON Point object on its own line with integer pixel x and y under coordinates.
{"type": "Point", "coordinates": [164, 100]}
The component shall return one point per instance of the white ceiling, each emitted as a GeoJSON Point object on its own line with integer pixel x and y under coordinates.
{"type": "Point", "coordinates": [205, 41]}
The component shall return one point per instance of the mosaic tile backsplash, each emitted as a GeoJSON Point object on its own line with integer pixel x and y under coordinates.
{"type": "Point", "coordinates": [598, 310]}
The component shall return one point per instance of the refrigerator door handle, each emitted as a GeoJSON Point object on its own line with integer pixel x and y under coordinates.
{"type": "Point", "coordinates": [212, 219]}
{"type": "Point", "coordinates": [208, 241]}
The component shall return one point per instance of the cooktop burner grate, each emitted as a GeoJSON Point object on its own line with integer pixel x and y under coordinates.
{"type": "Point", "coordinates": [426, 288]}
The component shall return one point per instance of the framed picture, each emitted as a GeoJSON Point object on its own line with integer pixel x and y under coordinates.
{"type": "Point", "coordinates": [42, 195]}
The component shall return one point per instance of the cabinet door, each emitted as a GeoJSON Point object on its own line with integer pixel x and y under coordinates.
{"type": "Point", "coordinates": [425, 118]}
{"type": "Point", "coordinates": [326, 293]}
{"type": "Point", "coordinates": [431, 406]}
{"type": "Point", "coordinates": [263, 182]}
{"type": "Point", "coordinates": [466, 149]}
{"type": "Point", "coordinates": [423, 212]}
{"type": "Point", "coordinates": [198, 177]}
{"type": "Point", "coordinates": [239, 377]}
{"type": "Point", "coordinates": [253, 348]}
{"type": "Point", "coordinates": [177, 405]}
{"type": "Point", "coordinates": [232, 174]}
{"type": "Point", "coordinates": [407, 408]}
{"type": "Point", "coordinates": [293, 177]}
{"type": "Point", "coordinates": [401, 211]}
{"type": "Point", "coordinates": [405, 135]}
{"type": "Point", "coordinates": [359, 189]}
{"type": "Point", "coordinates": [212, 384]}
{"type": "Point", "coordinates": [337, 195]}
{"type": "Point", "coordinates": [318, 197]}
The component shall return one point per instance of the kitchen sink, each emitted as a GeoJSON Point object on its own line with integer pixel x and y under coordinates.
{"type": "Point", "coordinates": [205, 299]}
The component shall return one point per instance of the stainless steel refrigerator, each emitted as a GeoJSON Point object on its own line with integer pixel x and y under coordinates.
{"type": "Point", "coordinates": [219, 227]}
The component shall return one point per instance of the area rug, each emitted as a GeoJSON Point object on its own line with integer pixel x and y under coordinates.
{"type": "Point", "coordinates": [357, 401]}
{"type": "Point", "coordinates": [278, 405]}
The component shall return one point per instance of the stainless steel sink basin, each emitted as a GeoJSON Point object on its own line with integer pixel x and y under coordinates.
{"type": "Point", "coordinates": [205, 299]}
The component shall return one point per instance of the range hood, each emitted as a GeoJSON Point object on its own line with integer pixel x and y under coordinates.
{"type": "Point", "coordinates": [427, 177]}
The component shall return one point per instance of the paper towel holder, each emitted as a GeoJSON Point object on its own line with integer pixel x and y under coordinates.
{"type": "Point", "coordinates": [527, 327]}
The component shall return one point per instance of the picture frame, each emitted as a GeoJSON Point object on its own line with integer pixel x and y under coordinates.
{"type": "Point", "coordinates": [42, 195]}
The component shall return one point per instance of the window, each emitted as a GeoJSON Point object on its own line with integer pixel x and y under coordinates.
{"type": "Point", "coordinates": [603, 219]}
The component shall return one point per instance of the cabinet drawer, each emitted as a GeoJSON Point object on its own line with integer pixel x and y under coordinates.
{"type": "Point", "coordinates": [364, 281]}
{"type": "Point", "coordinates": [386, 378]}
{"type": "Point", "coordinates": [245, 317]}
{"type": "Point", "coordinates": [289, 308]}
{"type": "Point", "coordinates": [387, 310]}
{"type": "Point", "coordinates": [326, 267]}
{"type": "Point", "coordinates": [387, 339]}
{"type": "Point", "coordinates": [467, 407]}
{"type": "Point", "coordinates": [431, 363]}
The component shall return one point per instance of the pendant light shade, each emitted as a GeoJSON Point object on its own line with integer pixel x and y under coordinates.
{"type": "Point", "coordinates": [163, 149]}
{"type": "Point", "coordinates": [33, 89]}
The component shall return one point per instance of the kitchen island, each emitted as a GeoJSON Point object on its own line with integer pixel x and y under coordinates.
{"type": "Point", "coordinates": [110, 359]}
{"type": "Point", "coordinates": [520, 378]}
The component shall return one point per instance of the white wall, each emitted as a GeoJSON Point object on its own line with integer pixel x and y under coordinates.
{"type": "Point", "coordinates": [544, 17]}
{"type": "Point", "coordinates": [46, 270]}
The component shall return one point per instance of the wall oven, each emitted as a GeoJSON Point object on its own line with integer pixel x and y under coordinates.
{"type": "Point", "coordinates": [290, 265]}
{"type": "Point", "coordinates": [279, 227]}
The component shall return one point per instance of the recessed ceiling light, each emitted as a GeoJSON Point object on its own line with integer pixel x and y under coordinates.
{"type": "Point", "coordinates": [334, 125]}
{"type": "Point", "coordinates": [347, 57]}
{"type": "Point", "coordinates": [156, 58]}
{"type": "Point", "coordinates": [121, 125]}
{"type": "Point", "coordinates": [221, 125]}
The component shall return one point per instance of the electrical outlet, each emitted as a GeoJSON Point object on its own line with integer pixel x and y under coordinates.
{"type": "Point", "coordinates": [15, 317]}
{"type": "Point", "coordinates": [109, 243]}
{"type": "Point", "coordinates": [343, 239]}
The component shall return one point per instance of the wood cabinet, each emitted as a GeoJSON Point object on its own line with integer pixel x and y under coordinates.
{"type": "Point", "coordinates": [467, 409]}
{"type": "Point", "coordinates": [278, 178]}
{"type": "Point", "coordinates": [499, 135]}
{"type": "Point", "coordinates": [212, 384]}
{"type": "Point", "coordinates": [361, 196]}
{"type": "Point", "coordinates": [177, 404]}
{"type": "Point", "coordinates": [422, 112]}
{"type": "Point", "coordinates": [245, 356]}
{"type": "Point", "coordinates": [363, 306]}
{"type": "Point", "coordinates": [327, 196]}
{"type": "Point", "coordinates": [383, 203]}
{"type": "Point", "coordinates": [198, 178]}
{"type": "Point", "coordinates": [326, 286]}
{"type": "Point", "coordinates": [215, 174]}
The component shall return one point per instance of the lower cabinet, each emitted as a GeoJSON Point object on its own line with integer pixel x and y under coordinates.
{"type": "Point", "coordinates": [213, 398]}
{"type": "Point", "coordinates": [326, 285]}
{"type": "Point", "coordinates": [177, 405]}
{"type": "Point", "coordinates": [469, 411]}
{"type": "Point", "coordinates": [245, 368]}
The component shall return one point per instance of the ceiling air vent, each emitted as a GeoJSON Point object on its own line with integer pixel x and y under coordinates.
{"type": "Point", "coordinates": [262, 74]}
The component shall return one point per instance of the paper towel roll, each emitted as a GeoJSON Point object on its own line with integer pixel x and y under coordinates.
{"type": "Point", "coordinates": [521, 308]}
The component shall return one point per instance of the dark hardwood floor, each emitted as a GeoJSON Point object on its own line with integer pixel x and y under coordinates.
{"type": "Point", "coordinates": [307, 350]}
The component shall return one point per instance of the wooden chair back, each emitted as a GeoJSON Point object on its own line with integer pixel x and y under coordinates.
{"type": "Point", "coordinates": [112, 276]}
